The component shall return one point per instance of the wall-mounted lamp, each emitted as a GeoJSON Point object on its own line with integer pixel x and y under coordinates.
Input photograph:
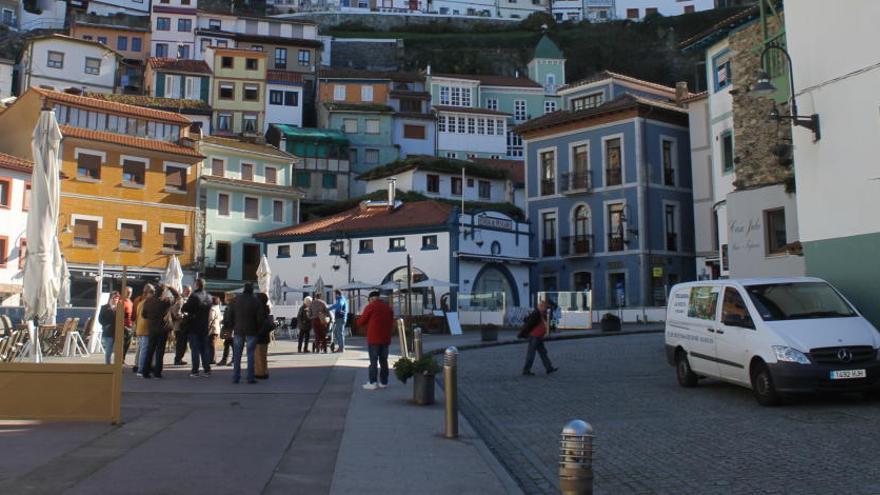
{"type": "Point", "coordinates": [210, 239]}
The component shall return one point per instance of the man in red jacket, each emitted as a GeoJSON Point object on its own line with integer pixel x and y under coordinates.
{"type": "Point", "coordinates": [379, 320]}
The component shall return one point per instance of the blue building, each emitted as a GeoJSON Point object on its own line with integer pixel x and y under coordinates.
{"type": "Point", "coordinates": [608, 189]}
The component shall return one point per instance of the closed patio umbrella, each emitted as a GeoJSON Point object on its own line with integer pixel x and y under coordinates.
{"type": "Point", "coordinates": [264, 275]}
{"type": "Point", "coordinates": [64, 296]}
{"type": "Point", "coordinates": [276, 294]}
{"type": "Point", "coordinates": [173, 276]}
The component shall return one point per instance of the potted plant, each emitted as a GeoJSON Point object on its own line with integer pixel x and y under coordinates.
{"type": "Point", "coordinates": [610, 323]}
{"type": "Point", "coordinates": [423, 372]}
{"type": "Point", "coordinates": [489, 333]}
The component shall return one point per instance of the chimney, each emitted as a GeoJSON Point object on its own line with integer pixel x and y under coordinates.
{"type": "Point", "coordinates": [516, 74]}
{"type": "Point", "coordinates": [681, 91]}
{"type": "Point", "coordinates": [392, 184]}
{"type": "Point", "coordinates": [428, 70]}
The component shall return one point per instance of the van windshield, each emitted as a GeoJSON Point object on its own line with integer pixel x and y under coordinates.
{"type": "Point", "coordinates": [798, 301]}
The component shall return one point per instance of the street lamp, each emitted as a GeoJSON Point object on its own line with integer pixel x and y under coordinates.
{"type": "Point", "coordinates": [764, 88]}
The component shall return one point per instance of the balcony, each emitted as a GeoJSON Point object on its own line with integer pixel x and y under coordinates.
{"type": "Point", "coordinates": [577, 245]}
{"type": "Point", "coordinates": [613, 177]}
{"type": "Point", "coordinates": [548, 187]}
{"type": "Point", "coordinates": [576, 182]}
{"type": "Point", "coordinates": [615, 242]}
{"type": "Point", "coordinates": [671, 241]}
{"type": "Point", "coordinates": [548, 248]}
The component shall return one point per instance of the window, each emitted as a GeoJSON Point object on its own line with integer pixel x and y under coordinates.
{"type": "Point", "coordinates": [580, 177]}
{"type": "Point", "coordinates": [471, 125]}
{"type": "Point", "coordinates": [163, 24]}
{"type": "Point", "coordinates": [283, 252]}
{"type": "Point", "coordinates": [548, 173]}
{"type": "Point", "coordinates": [650, 11]}
{"type": "Point", "coordinates": [224, 253]}
{"type": "Point", "coordinates": [461, 125]}
{"type": "Point", "coordinates": [251, 92]}
{"type": "Point", "coordinates": [632, 13]}
{"type": "Point", "coordinates": [175, 179]}
{"type": "Point", "coordinates": [88, 166]}
{"type": "Point", "coordinates": [277, 211]}
{"type": "Point", "coordinates": [444, 95]}
{"type": "Point", "coordinates": [22, 252]}
{"type": "Point", "coordinates": [223, 204]}
{"type": "Point", "coordinates": [371, 156]}
{"type": "Point", "coordinates": [519, 110]}
{"type": "Point", "coordinates": [734, 311]}
{"type": "Point", "coordinates": [721, 70]}
{"type": "Point", "coordinates": [413, 131]}
{"type": "Point", "coordinates": [613, 170]}
{"type": "Point", "coordinates": [224, 122]}
{"type": "Point", "coordinates": [589, 101]}
{"type": "Point", "coordinates": [514, 144]}
{"type": "Point", "coordinates": [350, 126]}
{"type": "Point", "coordinates": [688, 9]}
{"type": "Point", "coordinates": [372, 126]}
{"type": "Point", "coordinates": [271, 175]}
{"type": "Point", "coordinates": [484, 189]}
{"type": "Point", "coordinates": [227, 62]}
{"type": "Point", "coordinates": [615, 227]}
{"type": "Point", "coordinates": [227, 91]}
{"type": "Point", "coordinates": [429, 242]}
{"type": "Point", "coordinates": [441, 123]}
{"type": "Point", "coordinates": [433, 185]}
{"type": "Point", "coordinates": [214, 24]}
{"type": "Point", "coordinates": [774, 227]}
{"type": "Point", "coordinates": [26, 198]}
{"type": "Point", "coordinates": [257, 48]}
{"type": "Point", "coordinates": [122, 43]}
{"type": "Point", "coordinates": [548, 234]}
{"type": "Point", "coordinates": [336, 248]}
{"type": "Point", "coordinates": [130, 236]}
{"type": "Point", "coordinates": [276, 97]}
{"type": "Point", "coordinates": [247, 171]}
{"type": "Point", "coordinates": [365, 246]}
{"type": "Point", "coordinates": [366, 93]}
{"type": "Point", "coordinates": [702, 303]}
{"type": "Point", "coordinates": [251, 64]}
{"type": "Point", "coordinates": [281, 58]}
{"type": "Point", "coordinates": [5, 193]}
{"type": "Point", "coordinates": [249, 123]}
{"type": "Point", "coordinates": [669, 219]}
{"type": "Point", "coordinates": [133, 172]}
{"type": "Point", "coordinates": [304, 58]}
{"type": "Point", "coordinates": [581, 241]}
{"type": "Point", "coordinates": [217, 167]}
{"type": "Point", "coordinates": [252, 208]}
{"type": "Point", "coordinates": [338, 92]}
{"type": "Point", "coordinates": [456, 186]}
{"type": "Point", "coordinates": [727, 162]}
{"type": "Point", "coordinates": [304, 179]}
{"type": "Point", "coordinates": [549, 106]}
{"type": "Point", "coordinates": [184, 25]}
{"type": "Point", "coordinates": [291, 98]}
{"type": "Point", "coordinates": [102, 40]}
{"type": "Point", "coordinates": [310, 249]}
{"type": "Point", "coordinates": [492, 104]}
{"type": "Point", "coordinates": [668, 165]}
{"type": "Point", "coordinates": [397, 244]}
{"type": "Point", "coordinates": [221, 43]}
{"type": "Point", "coordinates": [136, 44]}
{"type": "Point", "coordinates": [161, 50]}
{"type": "Point", "coordinates": [85, 233]}
{"type": "Point", "coordinates": [328, 181]}
{"type": "Point", "coordinates": [172, 239]}
{"type": "Point", "coordinates": [55, 60]}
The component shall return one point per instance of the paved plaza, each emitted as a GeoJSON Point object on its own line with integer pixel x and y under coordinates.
{"type": "Point", "coordinates": [656, 437]}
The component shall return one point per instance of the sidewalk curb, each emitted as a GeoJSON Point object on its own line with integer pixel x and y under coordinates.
{"type": "Point", "coordinates": [483, 345]}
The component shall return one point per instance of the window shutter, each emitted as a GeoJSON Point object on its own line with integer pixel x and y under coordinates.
{"type": "Point", "coordinates": [251, 207]}
{"type": "Point", "coordinates": [128, 232]}
{"type": "Point", "coordinates": [271, 176]}
{"type": "Point", "coordinates": [247, 171]}
{"type": "Point", "coordinates": [217, 167]}
{"type": "Point", "coordinates": [172, 237]}
{"type": "Point", "coordinates": [278, 211]}
{"type": "Point", "coordinates": [175, 177]}
{"type": "Point", "coordinates": [223, 204]}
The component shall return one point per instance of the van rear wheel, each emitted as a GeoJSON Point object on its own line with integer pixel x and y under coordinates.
{"type": "Point", "coordinates": [763, 388]}
{"type": "Point", "coordinates": [683, 372]}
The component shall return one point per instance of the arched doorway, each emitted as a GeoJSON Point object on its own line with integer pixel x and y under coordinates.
{"type": "Point", "coordinates": [421, 297]}
{"type": "Point", "coordinates": [494, 277]}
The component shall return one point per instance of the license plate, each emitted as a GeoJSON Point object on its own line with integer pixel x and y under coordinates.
{"type": "Point", "coordinates": [847, 374]}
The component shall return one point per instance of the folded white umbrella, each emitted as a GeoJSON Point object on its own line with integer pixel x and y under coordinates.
{"type": "Point", "coordinates": [264, 275]}
{"type": "Point", "coordinates": [64, 296]}
{"type": "Point", "coordinates": [355, 285]}
{"type": "Point", "coordinates": [275, 292]}
{"type": "Point", "coordinates": [173, 274]}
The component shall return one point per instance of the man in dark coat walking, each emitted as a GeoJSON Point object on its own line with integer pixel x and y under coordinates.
{"type": "Point", "coordinates": [197, 310]}
{"type": "Point", "coordinates": [155, 312]}
{"type": "Point", "coordinates": [246, 316]}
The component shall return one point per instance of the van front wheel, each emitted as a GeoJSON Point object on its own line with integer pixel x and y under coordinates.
{"type": "Point", "coordinates": [683, 372]}
{"type": "Point", "coordinates": [763, 388]}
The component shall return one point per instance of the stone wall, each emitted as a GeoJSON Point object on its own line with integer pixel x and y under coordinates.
{"type": "Point", "coordinates": [377, 55]}
{"type": "Point", "coordinates": [755, 134]}
{"type": "Point", "coordinates": [381, 21]}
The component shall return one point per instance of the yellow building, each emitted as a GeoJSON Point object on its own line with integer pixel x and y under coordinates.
{"type": "Point", "coordinates": [238, 96]}
{"type": "Point", "coordinates": [128, 192]}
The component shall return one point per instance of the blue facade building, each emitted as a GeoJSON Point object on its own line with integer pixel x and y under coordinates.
{"type": "Point", "coordinates": [608, 189]}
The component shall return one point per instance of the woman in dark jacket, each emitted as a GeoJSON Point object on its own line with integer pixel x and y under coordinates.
{"type": "Point", "coordinates": [261, 367]}
{"type": "Point", "coordinates": [304, 323]}
{"type": "Point", "coordinates": [226, 331]}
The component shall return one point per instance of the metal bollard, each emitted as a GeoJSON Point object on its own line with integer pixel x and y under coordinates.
{"type": "Point", "coordinates": [417, 343]}
{"type": "Point", "coordinates": [576, 458]}
{"type": "Point", "coordinates": [450, 380]}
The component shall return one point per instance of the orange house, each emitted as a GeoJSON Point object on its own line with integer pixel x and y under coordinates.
{"type": "Point", "coordinates": [128, 195]}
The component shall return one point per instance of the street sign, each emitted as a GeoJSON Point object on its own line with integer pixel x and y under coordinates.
{"type": "Point", "coordinates": [658, 271]}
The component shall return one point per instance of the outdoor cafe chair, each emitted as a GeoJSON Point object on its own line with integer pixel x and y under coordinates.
{"type": "Point", "coordinates": [74, 343]}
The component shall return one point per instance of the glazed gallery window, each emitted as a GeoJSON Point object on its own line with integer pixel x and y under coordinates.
{"type": "Point", "coordinates": [130, 236]}
{"type": "Point", "coordinates": [85, 232]}
{"type": "Point", "coordinates": [133, 172]}
{"type": "Point", "coordinates": [589, 101]}
{"type": "Point", "coordinates": [88, 166]}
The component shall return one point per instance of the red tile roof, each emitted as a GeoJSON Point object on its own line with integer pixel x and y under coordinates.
{"type": "Point", "coordinates": [492, 80]}
{"type": "Point", "coordinates": [112, 106]}
{"type": "Point", "coordinates": [365, 218]}
{"type": "Point", "coordinates": [283, 76]}
{"type": "Point", "coordinates": [348, 73]}
{"type": "Point", "coordinates": [10, 162]}
{"type": "Point", "coordinates": [134, 142]}
{"type": "Point", "coordinates": [479, 111]}
{"type": "Point", "coordinates": [515, 168]}
{"type": "Point", "coordinates": [179, 65]}
{"type": "Point", "coordinates": [607, 74]}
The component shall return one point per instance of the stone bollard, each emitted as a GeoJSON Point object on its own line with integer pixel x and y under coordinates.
{"type": "Point", "coordinates": [576, 458]}
{"type": "Point", "coordinates": [450, 380]}
{"type": "Point", "coordinates": [417, 343]}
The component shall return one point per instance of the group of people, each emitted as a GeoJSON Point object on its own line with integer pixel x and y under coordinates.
{"type": "Point", "coordinates": [324, 321]}
{"type": "Point", "coordinates": [194, 319]}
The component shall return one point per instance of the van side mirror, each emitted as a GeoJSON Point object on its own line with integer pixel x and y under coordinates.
{"type": "Point", "coordinates": [735, 320]}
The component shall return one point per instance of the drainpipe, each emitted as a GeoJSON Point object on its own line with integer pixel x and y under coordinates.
{"type": "Point", "coordinates": [644, 198]}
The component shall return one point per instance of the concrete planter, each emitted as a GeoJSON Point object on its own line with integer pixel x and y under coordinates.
{"type": "Point", "coordinates": [423, 389]}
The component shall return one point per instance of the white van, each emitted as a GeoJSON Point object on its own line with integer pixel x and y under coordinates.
{"type": "Point", "coordinates": [776, 336]}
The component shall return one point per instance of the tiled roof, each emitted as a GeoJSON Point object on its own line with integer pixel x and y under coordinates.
{"type": "Point", "coordinates": [358, 107]}
{"type": "Point", "coordinates": [267, 149]}
{"type": "Point", "coordinates": [408, 93]}
{"type": "Point", "coordinates": [623, 102]}
{"type": "Point", "coordinates": [173, 105]}
{"type": "Point", "coordinates": [277, 189]}
{"type": "Point", "coordinates": [607, 74]}
{"type": "Point", "coordinates": [546, 48]}
{"type": "Point", "coordinates": [695, 96]}
{"type": "Point", "coordinates": [478, 111]}
{"type": "Point", "coordinates": [257, 38]}
{"type": "Point", "coordinates": [365, 218]}
{"type": "Point", "coordinates": [721, 28]}
{"type": "Point", "coordinates": [125, 140]}
{"type": "Point", "coordinates": [515, 168]}
{"type": "Point", "coordinates": [64, 37]}
{"type": "Point", "coordinates": [414, 115]}
{"type": "Point", "coordinates": [179, 65]}
{"type": "Point", "coordinates": [10, 162]}
{"type": "Point", "coordinates": [283, 76]}
{"type": "Point", "coordinates": [115, 21]}
{"type": "Point", "coordinates": [347, 73]}
{"type": "Point", "coordinates": [173, 10]}
{"type": "Point", "coordinates": [492, 80]}
{"type": "Point", "coordinates": [432, 163]}
{"type": "Point", "coordinates": [111, 106]}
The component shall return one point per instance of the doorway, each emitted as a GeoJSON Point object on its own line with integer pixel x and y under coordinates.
{"type": "Point", "coordinates": [250, 261]}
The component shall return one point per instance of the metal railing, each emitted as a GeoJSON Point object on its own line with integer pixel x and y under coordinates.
{"type": "Point", "coordinates": [548, 187]}
{"type": "Point", "coordinates": [671, 241]}
{"type": "Point", "coordinates": [615, 242]}
{"type": "Point", "coordinates": [613, 176]}
{"type": "Point", "coordinates": [576, 182]}
{"type": "Point", "coordinates": [548, 247]}
{"type": "Point", "coordinates": [577, 245]}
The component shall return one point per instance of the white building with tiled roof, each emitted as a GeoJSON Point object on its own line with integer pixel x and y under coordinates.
{"type": "Point", "coordinates": [58, 62]}
{"type": "Point", "coordinates": [15, 192]}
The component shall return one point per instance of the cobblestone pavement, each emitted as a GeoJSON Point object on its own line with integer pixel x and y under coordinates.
{"type": "Point", "coordinates": [656, 437]}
